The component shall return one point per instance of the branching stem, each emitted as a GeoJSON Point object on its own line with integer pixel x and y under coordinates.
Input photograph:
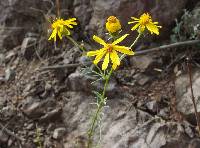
{"type": "Point", "coordinates": [192, 95]}
{"type": "Point", "coordinates": [138, 37]}
{"type": "Point", "coordinates": [99, 109]}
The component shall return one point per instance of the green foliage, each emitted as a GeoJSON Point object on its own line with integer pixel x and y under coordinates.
{"type": "Point", "coordinates": [186, 28]}
{"type": "Point", "coordinates": [37, 139]}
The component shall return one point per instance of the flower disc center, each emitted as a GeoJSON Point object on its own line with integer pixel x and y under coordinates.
{"type": "Point", "coordinates": [110, 48]}
{"type": "Point", "coordinates": [112, 19]}
{"type": "Point", "coordinates": [145, 19]}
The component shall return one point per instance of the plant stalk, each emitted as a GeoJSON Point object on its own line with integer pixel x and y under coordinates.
{"type": "Point", "coordinates": [192, 95]}
{"type": "Point", "coordinates": [97, 113]}
{"type": "Point", "coordinates": [58, 8]}
{"type": "Point", "coordinates": [75, 43]}
{"type": "Point", "coordinates": [138, 37]}
{"type": "Point", "coordinates": [102, 101]}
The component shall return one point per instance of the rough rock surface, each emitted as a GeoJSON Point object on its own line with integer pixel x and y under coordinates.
{"type": "Point", "coordinates": [183, 93]}
{"type": "Point", "coordinates": [121, 128]}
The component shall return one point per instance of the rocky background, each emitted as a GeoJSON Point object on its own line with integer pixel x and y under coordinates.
{"type": "Point", "coordinates": [43, 104]}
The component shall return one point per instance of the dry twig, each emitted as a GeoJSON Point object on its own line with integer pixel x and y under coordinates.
{"type": "Point", "coordinates": [60, 66]}
{"type": "Point", "coordinates": [190, 42]}
{"type": "Point", "coordinates": [192, 94]}
{"type": "Point", "coordinates": [10, 133]}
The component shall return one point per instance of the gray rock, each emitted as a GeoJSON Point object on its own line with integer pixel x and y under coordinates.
{"type": "Point", "coordinates": [165, 113]}
{"type": "Point", "coordinates": [152, 105]}
{"type": "Point", "coordinates": [20, 25]}
{"type": "Point", "coordinates": [35, 108]}
{"type": "Point", "coordinates": [30, 126]}
{"type": "Point", "coordinates": [125, 76]}
{"type": "Point", "coordinates": [84, 60]}
{"type": "Point", "coordinates": [95, 12]}
{"type": "Point", "coordinates": [79, 82]}
{"type": "Point", "coordinates": [2, 59]}
{"type": "Point", "coordinates": [183, 93]}
{"type": "Point", "coordinates": [59, 132]}
{"type": "Point", "coordinates": [47, 142]}
{"type": "Point", "coordinates": [52, 115]}
{"type": "Point", "coordinates": [27, 50]}
{"type": "Point", "coordinates": [142, 79]}
{"type": "Point", "coordinates": [120, 128]}
{"type": "Point", "coordinates": [141, 62]}
{"type": "Point", "coordinates": [153, 134]}
{"type": "Point", "coordinates": [8, 111]}
{"type": "Point", "coordinates": [3, 137]}
{"type": "Point", "coordinates": [9, 74]}
{"type": "Point", "coordinates": [10, 142]}
{"type": "Point", "coordinates": [102, 9]}
{"type": "Point", "coordinates": [194, 143]}
{"type": "Point", "coordinates": [10, 55]}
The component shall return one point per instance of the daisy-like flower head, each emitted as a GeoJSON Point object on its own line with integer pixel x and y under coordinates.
{"type": "Point", "coordinates": [113, 24]}
{"type": "Point", "coordinates": [60, 28]}
{"type": "Point", "coordinates": [109, 51]}
{"type": "Point", "coordinates": [145, 21]}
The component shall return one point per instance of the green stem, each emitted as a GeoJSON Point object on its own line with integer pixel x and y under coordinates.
{"type": "Point", "coordinates": [106, 83]}
{"type": "Point", "coordinates": [75, 43]}
{"type": "Point", "coordinates": [138, 37]}
{"type": "Point", "coordinates": [97, 113]}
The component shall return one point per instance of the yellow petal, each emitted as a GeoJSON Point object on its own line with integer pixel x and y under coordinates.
{"type": "Point", "coordinates": [134, 18]}
{"type": "Point", "coordinates": [114, 66]}
{"type": "Point", "coordinates": [61, 28]}
{"type": "Point", "coordinates": [123, 49]}
{"type": "Point", "coordinates": [53, 35]}
{"type": "Point", "coordinates": [106, 61]}
{"type": "Point", "coordinates": [69, 25]}
{"type": "Point", "coordinates": [114, 58]}
{"type": "Point", "coordinates": [92, 53]}
{"type": "Point", "coordinates": [99, 40]}
{"type": "Point", "coordinates": [50, 37]}
{"type": "Point", "coordinates": [135, 27]}
{"type": "Point", "coordinates": [99, 57]}
{"type": "Point", "coordinates": [131, 22]}
{"type": "Point", "coordinates": [73, 23]}
{"type": "Point", "coordinates": [72, 19]}
{"type": "Point", "coordinates": [120, 39]}
{"type": "Point", "coordinates": [152, 28]}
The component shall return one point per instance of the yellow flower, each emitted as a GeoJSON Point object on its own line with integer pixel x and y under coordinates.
{"type": "Point", "coordinates": [145, 21]}
{"type": "Point", "coordinates": [60, 28]}
{"type": "Point", "coordinates": [110, 52]}
{"type": "Point", "coordinates": [113, 24]}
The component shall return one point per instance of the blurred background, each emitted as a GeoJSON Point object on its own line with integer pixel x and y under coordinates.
{"type": "Point", "coordinates": [20, 17]}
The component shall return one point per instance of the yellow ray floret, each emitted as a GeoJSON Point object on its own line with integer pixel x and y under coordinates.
{"type": "Point", "coordinates": [113, 24]}
{"type": "Point", "coordinates": [60, 28]}
{"type": "Point", "coordinates": [145, 22]}
{"type": "Point", "coordinates": [109, 52]}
